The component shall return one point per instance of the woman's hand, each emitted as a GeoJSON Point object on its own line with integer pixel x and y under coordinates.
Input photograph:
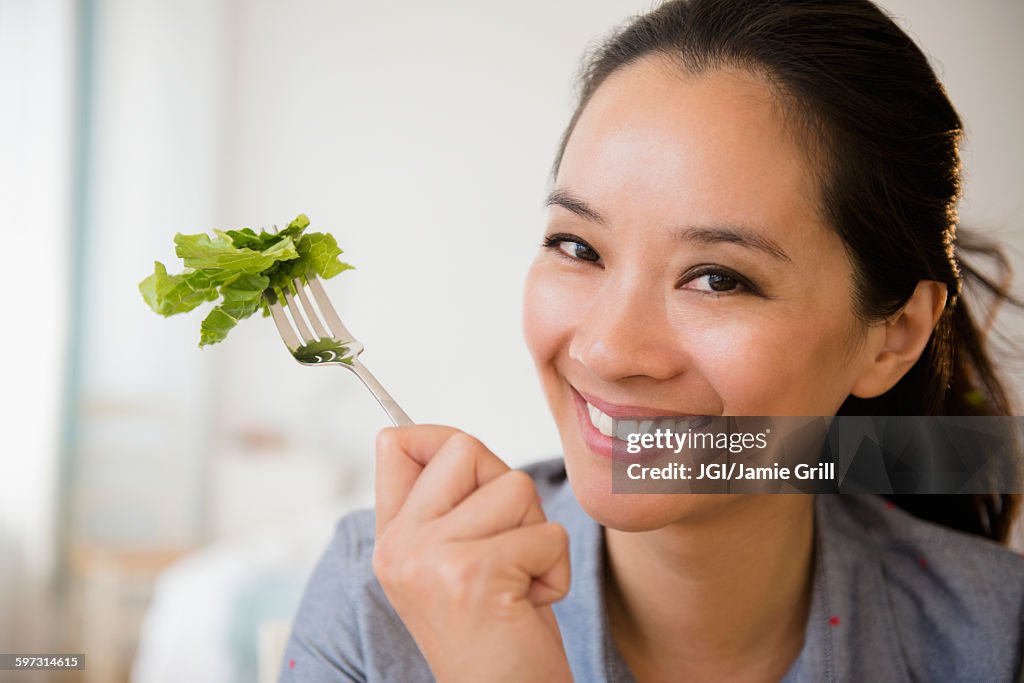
{"type": "Point", "coordinates": [468, 559]}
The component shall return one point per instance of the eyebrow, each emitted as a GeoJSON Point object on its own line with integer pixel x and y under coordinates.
{"type": "Point", "coordinates": [733, 234]}
{"type": "Point", "coordinates": [711, 234]}
{"type": "Point", "coordinates": [567, 200]}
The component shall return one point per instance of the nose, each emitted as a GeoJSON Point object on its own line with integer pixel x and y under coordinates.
{"type": "Point", "coordinates": [627, 333]}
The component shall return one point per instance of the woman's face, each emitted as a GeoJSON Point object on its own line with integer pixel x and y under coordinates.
{"type": "Point", "coordinates": [688, 272]}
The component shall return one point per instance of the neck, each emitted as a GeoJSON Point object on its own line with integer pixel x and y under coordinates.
{"type": "Point", "coordinates": [716, 598]}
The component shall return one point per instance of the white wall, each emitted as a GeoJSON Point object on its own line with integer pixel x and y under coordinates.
{"type": "Point", "coordinates": [36, 48]}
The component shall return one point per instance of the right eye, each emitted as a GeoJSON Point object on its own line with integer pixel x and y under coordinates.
{"type": "Point", "coordinates": [572, 247]}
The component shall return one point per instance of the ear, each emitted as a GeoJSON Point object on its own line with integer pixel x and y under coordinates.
{"type": "Point", "coordinates": [901, 340]}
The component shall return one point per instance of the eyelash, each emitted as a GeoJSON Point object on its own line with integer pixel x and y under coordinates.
{"type": "Point", "coordinates": [553, 242]}
{"type": "Point", "coordinates": [744, 286]}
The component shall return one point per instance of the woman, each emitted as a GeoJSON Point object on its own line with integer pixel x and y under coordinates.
{"type": "Point", "coordinates": [753, 213]}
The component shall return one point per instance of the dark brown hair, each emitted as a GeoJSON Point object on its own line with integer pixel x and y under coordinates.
{"type": "Point", "coordinates": [878, 124]}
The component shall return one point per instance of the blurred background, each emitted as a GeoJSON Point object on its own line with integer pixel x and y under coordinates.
{"type": "Point", "coordinates": [162, 506]}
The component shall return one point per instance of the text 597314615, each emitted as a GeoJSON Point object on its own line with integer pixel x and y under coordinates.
{"type": "Point", "coordinates": [41, 662]}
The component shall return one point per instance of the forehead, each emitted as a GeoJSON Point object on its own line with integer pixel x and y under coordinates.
{"type": "Point", "coordinates": [656, 141]}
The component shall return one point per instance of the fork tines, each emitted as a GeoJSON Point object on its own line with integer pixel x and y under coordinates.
{"type": "Point", "coordinates": [322, 318]}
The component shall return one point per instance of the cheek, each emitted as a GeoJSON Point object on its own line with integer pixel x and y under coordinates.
{"type": "Point", "coordinates": [773, 365]}
{"type": "Point", "coordinates": [549, 310]}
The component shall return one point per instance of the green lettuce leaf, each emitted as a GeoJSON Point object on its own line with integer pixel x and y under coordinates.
{"type": "Point", "coordinates": [242, 297]}
{"type": "Point", "coordinates": [170, 294]}
{"type": "Point", "coordinates": [318, 255]}
{"type": "Point", "coordinates": [322, 252]}
{"type": "Point", "coordinates": [245, 238]}
{"type": "Point", "coordinates": [200, 252]}
{"type": "Point", "coordinates": [237, 267]}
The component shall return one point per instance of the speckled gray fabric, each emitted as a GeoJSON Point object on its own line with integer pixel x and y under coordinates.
{"type": "Point", "coordinates": [894, 599]}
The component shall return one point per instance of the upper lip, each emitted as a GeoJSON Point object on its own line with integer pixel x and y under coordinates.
{"type": "Point", "coordinates": [619, 410]}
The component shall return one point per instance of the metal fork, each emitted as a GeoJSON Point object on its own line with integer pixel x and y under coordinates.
{"type": "Point", "coordinates": [329, 342]}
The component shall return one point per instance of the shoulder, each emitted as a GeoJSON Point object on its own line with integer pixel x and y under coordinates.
{"type": "Point", "coordinates": [342, 614]}
{"type": "Point", "coordinates": [957, 599]}
{"type": "Point", "coordinates": [989, 575]}
{"type": "Point", "coordinates": [345, 628]}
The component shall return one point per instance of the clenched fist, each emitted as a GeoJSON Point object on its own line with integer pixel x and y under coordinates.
{"type": "Point", "coordinates": [468, 559]}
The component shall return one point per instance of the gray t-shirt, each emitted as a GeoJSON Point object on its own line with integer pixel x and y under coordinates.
{"type": "Point", "coordinates": [894, 598]}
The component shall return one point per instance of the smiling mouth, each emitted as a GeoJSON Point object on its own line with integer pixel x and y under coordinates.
{"type": "Point", "coordinates": [622, 428]}
{"type": "Point", "coordinates": [631, 420]}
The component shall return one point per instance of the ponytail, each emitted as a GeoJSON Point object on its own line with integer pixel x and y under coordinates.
{"type": "Point", "coordinates": [959, 354]}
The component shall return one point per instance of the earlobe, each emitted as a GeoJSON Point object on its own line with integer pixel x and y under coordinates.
{"type": "Point", "coordinates": [905, 337]}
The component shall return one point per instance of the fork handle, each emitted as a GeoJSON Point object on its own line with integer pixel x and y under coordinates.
{"type": "Point", "coordinates": [389, 405]}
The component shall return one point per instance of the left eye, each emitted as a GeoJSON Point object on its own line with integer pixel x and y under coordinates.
{"type": "Point", "coordinates": [715, 282]}
{"type": "Point", "coordinates": [571, 247]}
{"type": "Point", "coordinates": [577, 250]}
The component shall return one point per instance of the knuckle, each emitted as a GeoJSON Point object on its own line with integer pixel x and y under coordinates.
{"type": "Point", "coordinates": [392, 554]}
{"type": "Point", "coordinates": [401, 575]}
{"type": "Point", "coordinates": [387, 439]}
{"type": "Point", "coordinates": [381, 566]}
{"type": "Point", "coordinates": [384, 558]}
{"type": "Point", "coordinates": [426, 567]}
{"type": "Point", "coordinates": [459, 577]}
{"type": "Point", "coordinates": [521, 484]}
{"type": "Point", "coordinates": [559, 534]}
{"type": "Point", "coordinates": [559, 591]}
{"type": "Point", "coordinates": [463, 455]}
{"type": "Point", "coordinates": [410, 573]}
{"type": "Point", "coordinates": [464, 443]}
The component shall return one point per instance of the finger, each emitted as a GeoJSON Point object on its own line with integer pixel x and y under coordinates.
{"type": "Point", "coordinates": [541, 553]}
{"type": "Point", "coordinates": [461, 465]}
{"type": "Point", "coordinates": [402, 452]}
{"type": "Point", "coordinates": [508, 501]}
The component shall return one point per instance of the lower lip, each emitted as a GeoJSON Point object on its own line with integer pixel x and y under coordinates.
{"type": "Point", "coordinates": [596, 441]}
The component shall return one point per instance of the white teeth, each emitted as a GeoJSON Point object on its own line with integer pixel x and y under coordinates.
{"type": "Point", "coordinates": [624, 428]}
{"type": "Point", "coordinates": [605, 424]}
{"type": "Point", "coordinates": [670, 423]}
{"type": "Point", "coordinates": [602, 422]}
{"type": "Point", "coordinates": [609, 427]}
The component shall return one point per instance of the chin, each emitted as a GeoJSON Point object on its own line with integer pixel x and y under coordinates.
{"type": "Point", "coordinates": [591, 479]}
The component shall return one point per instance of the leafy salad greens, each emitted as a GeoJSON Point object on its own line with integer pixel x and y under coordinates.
{"type": "Point", "coordinates": [237, 267]}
